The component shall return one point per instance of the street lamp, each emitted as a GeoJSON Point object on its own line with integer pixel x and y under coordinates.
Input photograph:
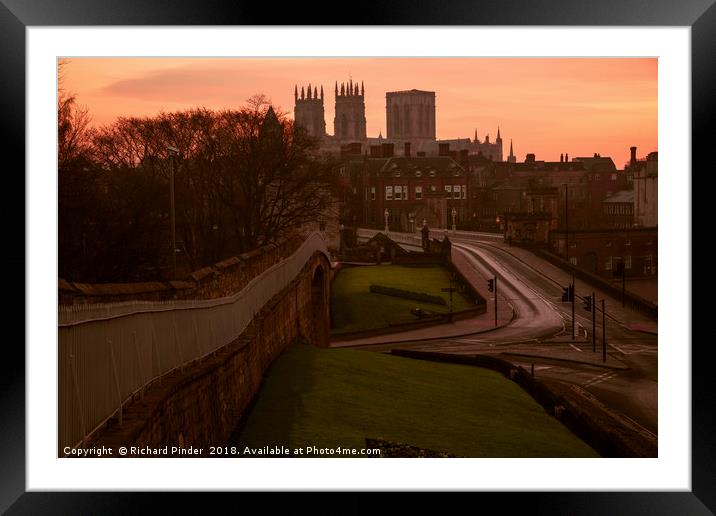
{"type": "Point", "coordinates": [454, 214]}
{"type": "Point", "coordinates": [173, 151]}
{"type": "Point", "coordinates": [386, 214]}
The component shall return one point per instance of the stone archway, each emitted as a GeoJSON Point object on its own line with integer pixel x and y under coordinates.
{"type": "Point", "coordinates": [319, 307]}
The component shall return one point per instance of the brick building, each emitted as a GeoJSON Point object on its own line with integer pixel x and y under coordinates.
{"type": "Point", "coordinates": [599, 251]}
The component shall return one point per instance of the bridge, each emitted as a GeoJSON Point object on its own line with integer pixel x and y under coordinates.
{"type": "Point", "coordinates": [152, 372]}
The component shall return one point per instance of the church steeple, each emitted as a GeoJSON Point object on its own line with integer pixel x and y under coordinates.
{"type": "Point", "coordinates": [315, 92]}
{"type": "Point", "coordinates": [309, 90]}
{"type": "Point", "coordinates": [511, 158]}
{"type": "Point", "coordinates": [303, 93]}
{"type": "Point", "coordinates": [362, 89]}
{"type": "Point", "coordinates": [476, 140]}
{"type": "Point", "coordinates": [295, 92]}
{"type": "Point", "coordinates": [321, 91]}
{"type": "Point", "coordinates": [498, 134]}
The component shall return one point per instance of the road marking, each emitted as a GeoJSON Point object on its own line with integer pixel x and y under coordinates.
{"type": "Point", "coordinates": [601, 378]}
{"type": "Point", "coordinates": [575, 347]}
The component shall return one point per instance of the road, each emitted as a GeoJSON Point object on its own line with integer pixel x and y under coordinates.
{"type": "Point", "coordinates": [540, 335]}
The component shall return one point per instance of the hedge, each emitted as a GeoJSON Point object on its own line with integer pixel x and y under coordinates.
{"type": "Point", "coordinates": [407, 294]}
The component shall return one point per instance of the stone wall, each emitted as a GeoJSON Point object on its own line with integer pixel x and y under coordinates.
{"type": "Point", "coordinates": [219, 280]}
{"type": "Point", "coordinates": [203, 404]}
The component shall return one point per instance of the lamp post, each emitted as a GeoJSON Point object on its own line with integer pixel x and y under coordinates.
{"type": "Point", "coordinates": [454, 214]}
{"type": "Point", "coordinates": [497, 221]}
{"type": "Point", "coordinates": [411, 227]}
{"type": "Point", "coordinates": [386, 213]}
{"type": "Point", "coordinates": [173, 151]}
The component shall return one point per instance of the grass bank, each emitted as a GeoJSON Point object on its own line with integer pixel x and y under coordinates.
{"type": "Point", "coordinates": [338, 398]}
{"type": "Point", "coordinates": [355, 308]}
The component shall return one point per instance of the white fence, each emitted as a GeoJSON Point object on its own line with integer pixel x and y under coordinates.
{"type": "Point", "coordinates": [109, 352]}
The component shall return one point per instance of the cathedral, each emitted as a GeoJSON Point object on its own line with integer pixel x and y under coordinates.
{"type": "Point", "coordinates": [410, 119]}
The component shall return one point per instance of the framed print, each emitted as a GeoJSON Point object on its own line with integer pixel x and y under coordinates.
{"type": "Point", "coordinates": [252, 337]}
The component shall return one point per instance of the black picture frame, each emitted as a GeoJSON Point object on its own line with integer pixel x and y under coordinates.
{"type": "Point", "coordinates": [17, 15]}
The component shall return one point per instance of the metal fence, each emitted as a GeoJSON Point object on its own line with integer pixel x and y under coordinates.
{"type": "Point", "coordinates": [109, 352]}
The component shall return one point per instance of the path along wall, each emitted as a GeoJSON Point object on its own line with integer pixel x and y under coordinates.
{"type": "Point", "coordinates": [112, 354]}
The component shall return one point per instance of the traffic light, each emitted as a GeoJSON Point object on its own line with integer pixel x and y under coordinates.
{"type": "Point", "coordinates": [588, 303]}
{"type": "Point", "coordinates": [565, 293]}
{"type": "Point", "coordinates": [491, 285]}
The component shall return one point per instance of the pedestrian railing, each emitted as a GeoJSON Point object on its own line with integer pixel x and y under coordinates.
{"type": "Point", "coordinates": [109, 352]}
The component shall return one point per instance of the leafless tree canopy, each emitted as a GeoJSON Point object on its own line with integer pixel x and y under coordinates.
{"type": "Point", "coordinates": [243, 178]}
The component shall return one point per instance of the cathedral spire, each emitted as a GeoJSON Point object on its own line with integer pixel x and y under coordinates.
{"type": "Point", "coordinates": [315, 92]}
{"type": "Point", "coordinates": [303, 93]}
{"type": "Point", "coordinates": [295, 92]}
{"type": "Point", "coordinates": [362, 89]}
{"type": "Point", "coordinates": [351, 88]}
{"type": "Point", "coordinates": [309, 90]}
{"type": "Point", "coordinates": [343, 89]}
{"type": "Point", "coordinates": [321, 91]}
{"type": "Point", "coordinates": [476, 139]}
{"type": "Point", "coordinates": [498, 133]}
{"type": "Point", "coordinates": [511, 152]}
{"type": "Point", "coordinates": [336, 88]}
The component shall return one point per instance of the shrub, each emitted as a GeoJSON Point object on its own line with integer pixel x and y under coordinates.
{"type": "Point", "coordinates": [407, 294]}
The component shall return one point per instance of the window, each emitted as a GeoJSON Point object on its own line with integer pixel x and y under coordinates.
{"type": "Point", "coordinates": [627, 261]}
{"type": "Point", "coordinates": [388, 193]}
{"type": "Point", "coordinates": [432, 188]}
{"type": "Point", "coordinates": [418, 173]}
{"type": "Point", "coordinates": [573, 260]}
{"type": "Point", "coordinates": [372, 193]}
{"type": "Point", "coordinates": [398, 193]}
{"type": "Point", "coordinates": [614, 177]}
{"type": "Point", "coordinates": [608, 263]}
{"type": "Point", "coordinates": [456, 192]}
{"type": "Point", "coordinates": [464, 191]}
{"type": "Point", "coordinates": [418, 193]}
{"type": "Point", "coordinates": [448, 188]}
{"type": "Point", "coordinates": [405, 192]}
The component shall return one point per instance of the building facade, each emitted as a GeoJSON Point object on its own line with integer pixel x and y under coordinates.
{"type": "Point", "coordinates": [410, 115]}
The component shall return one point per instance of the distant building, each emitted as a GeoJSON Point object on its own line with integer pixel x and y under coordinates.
{"type": "Point", "coordinates": [309, 112]}
{"type": "Point", "coordinates": [618, 210]}
{"type": "Point", "coordinates": [599, 251]}
{"type": "Point", "coordinates": [349, 122]}
{"type": "Point", "coordinates": [410, 115]}
{"type": "Point", "coordinates": [646, 188]}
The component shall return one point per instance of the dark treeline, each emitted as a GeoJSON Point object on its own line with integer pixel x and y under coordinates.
{"type": "Point", "coordinates": [243, 178]}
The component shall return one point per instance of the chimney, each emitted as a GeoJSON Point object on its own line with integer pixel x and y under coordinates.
{"type": "Point", "coordinates": [633, 155]}
{"type": "Point", "coordinates": [561, 158]}
{"type": "Point", "coordinates": [387, 150]}
{"type": "Point", "coordinates": [443, 149]}
{"type": "Point", "coordinates": [566, 158]}
{"type": "Point", "coordinates": [530, 158]}
{"type": "Point", "coordinates": [407, 149]}
{"type": "Point", "coordinates": [375, 151]}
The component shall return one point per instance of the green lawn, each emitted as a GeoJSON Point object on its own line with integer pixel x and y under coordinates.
{"type": "Point", "coordinates": [338, 398]}
{"type": "Point", "coordinates": [355, 308]}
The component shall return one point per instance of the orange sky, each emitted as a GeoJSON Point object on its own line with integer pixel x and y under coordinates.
{"type": "Point", "coordinates": [545, 105]}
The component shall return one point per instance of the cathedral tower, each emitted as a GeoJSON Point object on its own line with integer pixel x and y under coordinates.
{"type": "Point", "coordinates": [349, 123]}
{"type": "Point", "coordinates": [309, 112]}
{"type": "Point", "coordinates": [410, 115]}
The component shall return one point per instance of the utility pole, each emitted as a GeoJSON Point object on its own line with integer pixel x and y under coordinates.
{"type": "Point", "coordinates": [594, 322]}
{"type": "Point", "coordinates": [573, 296]}
{"type": "Point", "coordinates": [495, 300]}
{"type": "Point", "coordinates": [172, 153]}
{"type": "Point", "coordinates": [604, 334]}
{"type": "Point", "coordinates": [566, 220]}
{"type": "Point", "coordinates": [492, 287]}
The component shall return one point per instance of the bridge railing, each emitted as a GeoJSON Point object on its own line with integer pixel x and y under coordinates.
{"type": "Point", "coordinates": [109, 352]}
